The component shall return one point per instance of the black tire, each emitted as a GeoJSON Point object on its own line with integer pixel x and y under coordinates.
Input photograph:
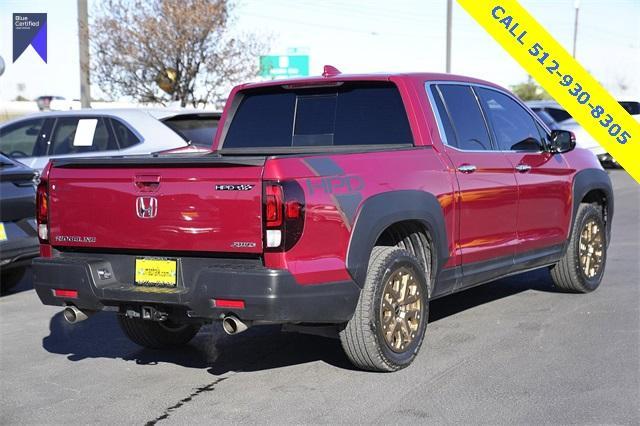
{"type": "Point", "coordinates": [157, 335]}
{"type": "Point", "coordinates": [362, 338]}
{"type": "Point", "coordinates": [11, 278]}
{"type": "Point", "coordinates": [568, 274]}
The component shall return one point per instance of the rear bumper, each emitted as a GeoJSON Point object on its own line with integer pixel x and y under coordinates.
{"type": "Point", "coordinates": [269, 295]}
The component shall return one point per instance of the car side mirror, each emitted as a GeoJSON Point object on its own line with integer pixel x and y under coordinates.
{"type": "Point", "coordinates": [562, 141]}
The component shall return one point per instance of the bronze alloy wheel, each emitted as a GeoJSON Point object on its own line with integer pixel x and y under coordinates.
{"type": "Point", "coordinates": [401, 309]}
{"type": "Point", "coordinates": [581, 268]}
{"type": "Point", "coordinates": [591, 249]}
{"type": "Point", "coordinates": [389, 323]}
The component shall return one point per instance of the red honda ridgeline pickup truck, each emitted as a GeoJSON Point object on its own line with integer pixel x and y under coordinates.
{"type": "Point", "coordinates": [334, 202]}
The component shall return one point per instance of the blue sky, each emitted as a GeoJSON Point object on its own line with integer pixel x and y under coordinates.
{"type": "Point", "coordinates": [362, 36]}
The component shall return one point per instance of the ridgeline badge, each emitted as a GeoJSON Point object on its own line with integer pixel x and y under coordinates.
{"type": "Point", "coordinates": [30, 29]}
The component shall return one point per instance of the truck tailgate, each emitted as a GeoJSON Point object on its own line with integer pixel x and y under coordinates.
{"type": "Point", "coordinates": [215, 207]}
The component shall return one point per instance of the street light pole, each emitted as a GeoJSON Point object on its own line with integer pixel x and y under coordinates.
{"type": "Point", "coordinates": [575, 27]}
{"type": "Point", "coordinates": [83, 44]}
{"type": "Point", "coordinates": [448, 63]}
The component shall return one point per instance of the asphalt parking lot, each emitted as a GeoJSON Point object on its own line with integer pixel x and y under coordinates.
{"type": "Point", "coordinates": [512, 351]}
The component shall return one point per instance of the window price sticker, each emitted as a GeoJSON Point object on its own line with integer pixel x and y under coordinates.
{"type": "Point", "coordinates": [562, 76]}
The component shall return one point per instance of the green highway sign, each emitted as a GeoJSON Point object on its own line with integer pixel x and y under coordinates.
{"type": "Point", "coordinates": [274, 66]}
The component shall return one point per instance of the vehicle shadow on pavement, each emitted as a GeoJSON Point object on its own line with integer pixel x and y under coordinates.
{"type": "Point", "coordinates": [537, 280]}
{"type": "Point", "coordinates": [259, 348]}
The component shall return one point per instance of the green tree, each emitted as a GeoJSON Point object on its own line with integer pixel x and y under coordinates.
{"type": "Point", "coordinates": [530, 91]}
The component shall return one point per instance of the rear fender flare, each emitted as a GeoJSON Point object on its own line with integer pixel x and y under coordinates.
{"type": "Point", "coordinates": [383, 210]}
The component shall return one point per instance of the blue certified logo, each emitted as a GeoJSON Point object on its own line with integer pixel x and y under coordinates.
{"type": "Point", "coordinates": [30, 29]}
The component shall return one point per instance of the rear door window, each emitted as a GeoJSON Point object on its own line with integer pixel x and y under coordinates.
{"type": "Point", "coordinates": [443, 115]}
{"type": "Point", "coordinates": [73, 135]}
{"type": "Point", "coordinates": [460, 107]}
{"type": "Point", "coordinates": [349, 114]}
{"type": "Point", "coordinates": [126, 138]}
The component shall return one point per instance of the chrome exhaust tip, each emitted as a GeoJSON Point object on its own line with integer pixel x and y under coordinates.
{"type": "Point", "coordinates": [232, 325]}
{"type": "Point", "coordinates": [74, 315]}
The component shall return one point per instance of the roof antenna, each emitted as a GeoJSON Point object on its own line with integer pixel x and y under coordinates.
{"type": "Point", "coordinates": [330, 71]}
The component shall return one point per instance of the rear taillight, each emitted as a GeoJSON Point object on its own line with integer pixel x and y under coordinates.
{"type": "Point", "coordinates": [42, 211]}
{"type": "Point", "coordinates": [283, 215]}
{"type": "Point", "coordinates": [273, 205]}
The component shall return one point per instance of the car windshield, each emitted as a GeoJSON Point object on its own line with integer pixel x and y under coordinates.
{"type": "Point", "coordinates": [199, 129]}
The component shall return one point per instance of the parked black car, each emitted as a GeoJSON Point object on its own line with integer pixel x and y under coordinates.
{"type": "Point", "coordinates": [18, 233]}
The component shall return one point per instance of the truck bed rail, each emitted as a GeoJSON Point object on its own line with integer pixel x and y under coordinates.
{"type": "Point", "coordinates": [184, 160]}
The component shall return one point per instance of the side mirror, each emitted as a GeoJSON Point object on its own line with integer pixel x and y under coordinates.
{"type": "Point", "coordinates": [562, 141]}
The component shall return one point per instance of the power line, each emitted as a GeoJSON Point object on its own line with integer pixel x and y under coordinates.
{"type": "Point", "coordinates": [333, 27]}
{"type": "Point", "coordinates": [347, 11]}
{"type": "Point", "coordinates": [355, 10]}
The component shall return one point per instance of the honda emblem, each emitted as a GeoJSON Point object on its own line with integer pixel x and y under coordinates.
{"type": "Point", "coordinates": [147, 207]}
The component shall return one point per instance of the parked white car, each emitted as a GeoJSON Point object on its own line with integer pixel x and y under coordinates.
{"type": "Point", "coordinates": [557, 118]}
{"type": "Point", "coordinates": [35, 139]}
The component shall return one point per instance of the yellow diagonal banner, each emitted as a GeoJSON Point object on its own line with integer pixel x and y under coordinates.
{"type": "Point", "coordinates": [564, 78]}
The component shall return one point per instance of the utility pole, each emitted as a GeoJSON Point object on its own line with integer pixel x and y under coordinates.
{"type": "Point", "coordinates": [83, 40]}
{"type": "Point", "coordinates": [575, 27]}
{"type": "Point", "coordinates": [449, 7]}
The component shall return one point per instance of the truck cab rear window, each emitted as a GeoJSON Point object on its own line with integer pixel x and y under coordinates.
{"type": "Point", "coordinates": [350, 114]}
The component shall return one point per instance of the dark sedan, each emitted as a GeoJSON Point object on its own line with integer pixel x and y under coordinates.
{"type": "Point", "coordinates": [18, 235]}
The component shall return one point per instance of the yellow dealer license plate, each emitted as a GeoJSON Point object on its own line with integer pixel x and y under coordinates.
{"type": "Point", "coordinates": [156, 272]}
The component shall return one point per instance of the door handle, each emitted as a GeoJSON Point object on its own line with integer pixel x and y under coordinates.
{"type": "Point", "coordinates": [467, 168]}
{"type": "Point", "coordinates": [523, 168]}
{"type": "Point", "coordinates": [147, 183]}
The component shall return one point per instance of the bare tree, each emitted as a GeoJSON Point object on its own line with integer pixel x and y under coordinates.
{"type": "Point", "coordinates": [170, 50]}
